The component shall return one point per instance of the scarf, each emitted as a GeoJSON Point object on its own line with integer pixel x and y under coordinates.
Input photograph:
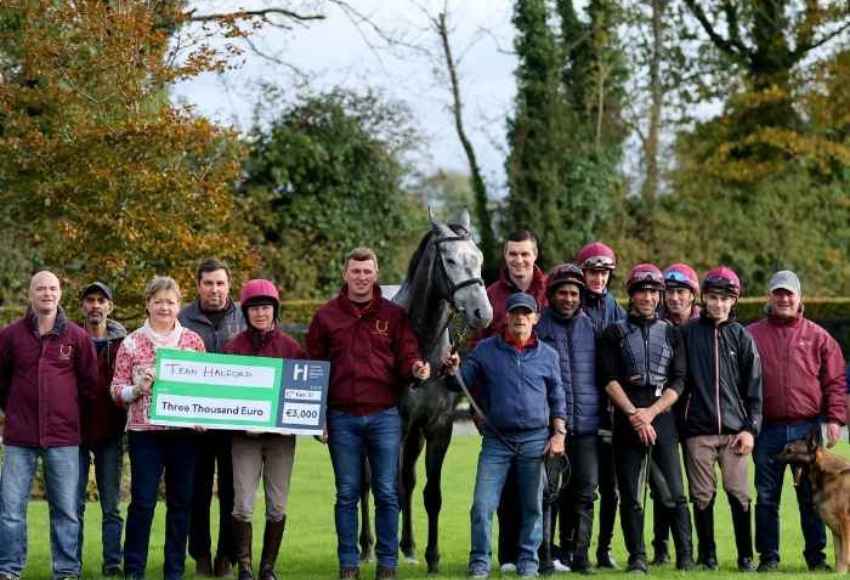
{"type": "Point", "coordinates": [170, 339]}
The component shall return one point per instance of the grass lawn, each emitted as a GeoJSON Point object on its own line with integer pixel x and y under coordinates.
{"type": "Point", "coordinates": [309, 549]}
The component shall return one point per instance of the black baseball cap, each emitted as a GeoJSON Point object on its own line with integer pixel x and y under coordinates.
{"type": "Point", "coordinates": [97, 287]}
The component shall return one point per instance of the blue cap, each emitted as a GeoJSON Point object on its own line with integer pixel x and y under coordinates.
{"type": "Point", "coordinates": [521, 300]}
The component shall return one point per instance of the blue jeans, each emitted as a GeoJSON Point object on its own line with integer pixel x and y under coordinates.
{"type": "Point", "coordinates": [61, 475]}
{"type": "Point", "coordinates": [769, 476]}
{"type": "Point", "coordinates": [151, 453]}
{"type": "Point", "coordinates": [108, 459]}
{"type": "Point", "coordinates": [494, 461]}
{"type": "Point", "coordinates": [378, 438]}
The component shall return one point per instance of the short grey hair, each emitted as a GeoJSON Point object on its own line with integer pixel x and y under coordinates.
{"type": "Point", "coordinates": [160, 283]}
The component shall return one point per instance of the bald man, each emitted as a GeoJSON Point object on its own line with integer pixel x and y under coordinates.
{"type": "Point", "coordinates": [47, 363]}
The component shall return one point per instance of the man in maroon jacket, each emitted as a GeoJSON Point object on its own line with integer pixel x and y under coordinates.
{"type": "Point", "coordinates": [47, 364]}
{"type": "Point", "coordinates": [804, 385]}
{"type": "Point", "coordinates": [519, 273]}
{"type": "Point", "coordinates": [102, 424]}
{"type": "Point", "coordinates": [373, 354]}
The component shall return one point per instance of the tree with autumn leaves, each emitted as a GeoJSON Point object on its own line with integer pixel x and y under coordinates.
{"type": "Point", "coordinates": [101, 176]}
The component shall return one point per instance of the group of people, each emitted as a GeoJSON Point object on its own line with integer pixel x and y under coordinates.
{"type": "Point", "coordinates": [671, 377]}
{"type": "Point", "coordinates": [70, 393]}
{"type": "Point", "coordinates": [562, 371]}
{"type": "Point", "coordinates": [73, 394]}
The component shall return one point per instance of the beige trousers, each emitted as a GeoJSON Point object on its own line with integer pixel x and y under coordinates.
{"type": "Point", "coordinates": [704, 451]}
{"type": "Point", "coordinates": [271, 456]}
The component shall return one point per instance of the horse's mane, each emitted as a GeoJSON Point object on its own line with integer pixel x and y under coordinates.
{"type": "Point", "coordinates": [423, 246]}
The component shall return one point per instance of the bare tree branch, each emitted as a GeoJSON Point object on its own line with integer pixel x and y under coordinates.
{"type": "Point", "coordinates": [302, 76]}
{"type": "Point", "coordinates": [731, 12]}
{"type": "Point", "coordinates": [803, 49]}
{"type": "Point", "coordinates": [488, 242]}
{"type": "Point", "coordinates": [737, 51]}
{"type": "Point", "coordinates": [263, 14]}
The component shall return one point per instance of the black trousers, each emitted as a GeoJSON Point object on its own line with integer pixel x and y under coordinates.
{"type": "Point", "coordinates": [608, 496]}
{"type": "Point", "coordinates": [662, 503]}
{"type": "Point", "coordinates": [213, 452]}
{"type": "Point", "coordinates": [575, 508]}
{"type": "Point", "coordinates": [633, 464]}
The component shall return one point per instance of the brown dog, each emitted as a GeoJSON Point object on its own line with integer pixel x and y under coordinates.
{"type": "Point", "coordinates": [829, 475]}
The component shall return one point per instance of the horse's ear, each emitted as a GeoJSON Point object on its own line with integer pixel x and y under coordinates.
{"type": "Point", "coordinates": [430, 216]}
{"type": "Point", "coordinates": [464, 221]}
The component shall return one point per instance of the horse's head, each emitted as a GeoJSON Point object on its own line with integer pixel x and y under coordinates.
{"type": "Point", "coordinates": [458, 261]}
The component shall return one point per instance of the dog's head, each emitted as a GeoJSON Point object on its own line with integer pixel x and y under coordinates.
{"type": "Point", "coordinates": [800, 454]}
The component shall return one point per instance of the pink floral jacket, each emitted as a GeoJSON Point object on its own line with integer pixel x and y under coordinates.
{"type": "Point", "coordinates": [137, 353]}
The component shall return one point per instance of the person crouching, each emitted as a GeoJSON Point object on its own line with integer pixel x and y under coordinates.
{"type": "Point", "coordinates": [256, 453]}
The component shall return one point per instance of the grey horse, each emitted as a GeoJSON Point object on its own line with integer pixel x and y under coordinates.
{"type": "Point", "coordinates": [444, 275]}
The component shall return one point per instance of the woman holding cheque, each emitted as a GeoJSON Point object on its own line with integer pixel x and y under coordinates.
{"type": "Point", "coordinates": [155, 448]}
{"type": "Point", "coordinates": [254, 453]}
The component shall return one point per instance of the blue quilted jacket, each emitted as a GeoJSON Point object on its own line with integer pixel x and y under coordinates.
{"type": "Point", "coordinates": [574, 340]}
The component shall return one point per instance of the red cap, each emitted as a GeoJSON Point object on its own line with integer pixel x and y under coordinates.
{"type": "Point", "coordinates": [645, 276]}
{"type": "Point", "coordinates": [254, 290]}
{"type": "Point", "coordinates": [564, 274]}
{"type": "Point", "coordinates": [681, 275]}
{"type": "Point", "coordinates": [596, 256]}
{"type": "Point", "coordinates": [722, 279]}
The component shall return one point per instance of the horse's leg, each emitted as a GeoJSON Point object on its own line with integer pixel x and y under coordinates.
{"type": "Point", "coordinates": [367, 541]}
{"type": "Point", "coordinates": [410, 454]}
{"type": "Point", "coordinates": [435, 454]}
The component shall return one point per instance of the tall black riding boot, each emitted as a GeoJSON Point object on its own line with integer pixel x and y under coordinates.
{"type": "Point", "coordinates": [704, 522]}
{"type": "Point", "coordinates": [242, 536]}
{"type": "Point", "coordinates": [680, 526]}
{"type": "Point", "coordinates": [742, 523]}
{"type": "Point", "coordinates": [272, 538]}
{"type": "Point", "coordinates": [661, 532]}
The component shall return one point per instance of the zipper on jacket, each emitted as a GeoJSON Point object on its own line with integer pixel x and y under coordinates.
{"type": "Point", "coordinates": [717, 377]}
{"type": "Point", "coordinates": [645, 333]}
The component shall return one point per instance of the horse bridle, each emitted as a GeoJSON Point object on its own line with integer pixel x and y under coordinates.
{"type": "Point", "coordinates": [453, 287]}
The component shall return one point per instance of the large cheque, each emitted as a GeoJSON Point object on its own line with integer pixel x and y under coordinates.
{"type": "Point", "coordinates": [222, 391]}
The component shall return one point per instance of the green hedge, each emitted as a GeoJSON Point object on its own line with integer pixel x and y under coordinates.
{"type": "Point", "coordinates": [832, 313]}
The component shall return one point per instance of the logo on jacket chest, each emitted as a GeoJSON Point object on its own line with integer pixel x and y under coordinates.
{"type": "Point", "coordinates": [382, 327]}
{"type": "Point", "coordinates": [66, 351]}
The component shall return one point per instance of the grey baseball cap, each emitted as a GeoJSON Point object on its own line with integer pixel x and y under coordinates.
{"type": "Point", "coordinates": [785, 280]}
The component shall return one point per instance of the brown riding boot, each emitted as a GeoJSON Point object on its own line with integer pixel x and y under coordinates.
{"type": "Point", "coordinates": [242, 536]}
{"type": "Point", "coordinates": [272, 539]}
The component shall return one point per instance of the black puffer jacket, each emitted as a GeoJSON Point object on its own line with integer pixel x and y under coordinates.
{"type": "Point", "coordinates": [723, 388]}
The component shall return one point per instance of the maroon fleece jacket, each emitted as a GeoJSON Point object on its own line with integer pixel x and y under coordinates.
{"type": "Point", "coordinates": [803, 371]}
{"type": "Point", "coordinates": [371, 351]}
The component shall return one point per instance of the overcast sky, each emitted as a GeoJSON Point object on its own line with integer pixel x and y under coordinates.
{"type": "Point", "coordinates": [336, 52]}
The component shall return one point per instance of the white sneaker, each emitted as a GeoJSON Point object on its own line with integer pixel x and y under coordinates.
{"type": "Point", "coordinates": [507, 568]}
{"type": "Point", "coordinates": [560, 566]}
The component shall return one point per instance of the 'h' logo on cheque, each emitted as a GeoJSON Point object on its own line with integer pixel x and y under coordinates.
{"type": "Point", "coordinates": [300, 370]}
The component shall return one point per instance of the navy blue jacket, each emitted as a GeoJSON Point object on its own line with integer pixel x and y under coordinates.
{"type": "Point", "coordinates": [602, 309]}
{"type": "Point", "coordinates": [520, 392]}
{"type": "Point", "coordinates": [574, 340]}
